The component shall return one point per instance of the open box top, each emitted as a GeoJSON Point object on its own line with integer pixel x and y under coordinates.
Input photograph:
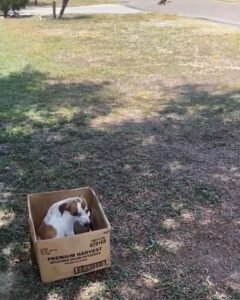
{"type": "Point", "coordinates": [38, 205]}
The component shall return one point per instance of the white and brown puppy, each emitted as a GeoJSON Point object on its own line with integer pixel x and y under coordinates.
{"type": "Point", "coordinates": [64, 218]}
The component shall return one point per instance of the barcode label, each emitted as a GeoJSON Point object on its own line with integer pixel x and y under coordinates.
{"type": "Point", "coordinates": [91, 267]}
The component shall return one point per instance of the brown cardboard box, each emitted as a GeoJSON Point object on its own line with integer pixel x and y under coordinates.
{"type": "Point", "coordinates": [73, 255]}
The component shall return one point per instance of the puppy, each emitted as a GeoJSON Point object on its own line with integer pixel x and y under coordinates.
{"type": "Point", "coordinates": [62, 218]}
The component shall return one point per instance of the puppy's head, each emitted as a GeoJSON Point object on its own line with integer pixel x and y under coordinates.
{"type": "Point", "coordinates": [78, 208]}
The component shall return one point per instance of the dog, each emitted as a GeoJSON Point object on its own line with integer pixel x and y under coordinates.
{"type": "Point", "coordinates": [162, 2]}
{"type": "Point", "coordinates": [65, 218]}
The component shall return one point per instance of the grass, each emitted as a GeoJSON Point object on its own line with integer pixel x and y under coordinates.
{"type": "Point", "coordinates": [231, 1]}
{"type": "Point", "coordinates": [144, 109]}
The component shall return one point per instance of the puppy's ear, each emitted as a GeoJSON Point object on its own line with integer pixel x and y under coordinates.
{"type": "Point", "coordinates": [84, 203]}
{"type": "Point", "coordinates": [70, 206]}
{"type": "Point", "coordinates": [63, 207]}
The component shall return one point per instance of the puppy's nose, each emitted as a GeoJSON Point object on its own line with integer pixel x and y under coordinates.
{"type": "Point", "coordinates": [86, 224]}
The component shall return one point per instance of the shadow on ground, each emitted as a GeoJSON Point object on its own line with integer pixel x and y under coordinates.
{"type": "Point", "coordinates": [168, 184]}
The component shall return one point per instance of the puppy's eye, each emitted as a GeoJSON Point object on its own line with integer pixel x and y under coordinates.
{"type": "Point", "coordinates": [87, 211]}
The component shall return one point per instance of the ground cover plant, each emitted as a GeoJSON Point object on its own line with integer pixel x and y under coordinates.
{"type": "Point", "coordinates": [145, 110]}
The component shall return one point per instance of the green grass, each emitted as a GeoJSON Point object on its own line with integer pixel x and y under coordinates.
{"type": "Point", "coordinates": [144, 109]}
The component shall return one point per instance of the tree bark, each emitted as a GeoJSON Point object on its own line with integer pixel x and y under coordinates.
{"type": "Point", "coordinates": [36, 2]}
{"type": "Point", "coordinates": [64, 5]}
{"type": "Point", "coordinates": [54, 9]}
{"type": "Point", "coordinates": [5, 13]}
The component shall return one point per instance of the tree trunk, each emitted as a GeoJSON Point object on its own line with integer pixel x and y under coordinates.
{"type": "Point", "coordinates": [54, 9]}
{"type": "Point", "coordinates": [36, 2]}
{"type": "Point", "coordinates": [64, 5]}
{"type": "Point", "coordinates": [5, 13]}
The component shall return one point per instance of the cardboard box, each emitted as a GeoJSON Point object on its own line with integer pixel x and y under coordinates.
{"type": "Point", "coordinates": [72, 255]}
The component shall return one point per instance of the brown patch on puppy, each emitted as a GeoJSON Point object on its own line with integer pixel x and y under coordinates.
{"type": "Point", "coordinates": [46, 232]}
{"type": "Point", "coordinates": [70, 206]}
{"type": "Point", "coordinates": [84, 203]}
{"type": "Point", "coordinates": [62, 208]}
{"type": "Point", "coordinates": [73, 209]}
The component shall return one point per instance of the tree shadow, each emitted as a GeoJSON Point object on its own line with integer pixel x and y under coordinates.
{"type": "Point", "coordinates": [70, 17]}
{"type": "Point", "coordinates": [145, 172]}
{"type": "Point", "coordinates": [40, 3]}
{"type": "Point", "coordinates": [34, 107]}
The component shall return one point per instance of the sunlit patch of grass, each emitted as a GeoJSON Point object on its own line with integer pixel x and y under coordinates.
{"type": "Point", "coordinates": [178, 288]}
{"type": "Point", "coordinates": [59, 115]}
{"type": "Point", "coordinates": [6, 217]}
{"type": "Point", "coordinates": [187, 215]}
{"type": "Point", "coordinates": [94, 290]}
{"type": "Point", "coordinates": [171, 245]}
{"type": "Point", "coordinates": [150, 280]}
{"type": "Point", "coordinates": [170, 223]}
{"type": "Point", "coordinates": [14, 133]}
